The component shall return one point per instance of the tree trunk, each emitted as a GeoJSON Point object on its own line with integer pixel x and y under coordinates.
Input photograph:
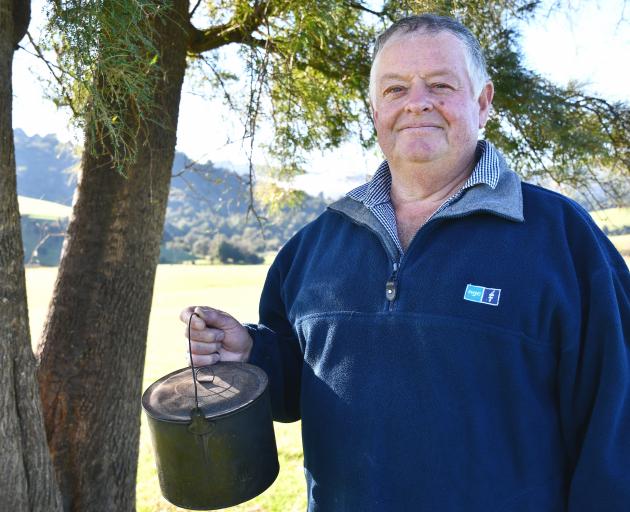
{"type": "Point", "coordinates": [93, 346]}
{"type": "Point", "coordinates": [26, 480]}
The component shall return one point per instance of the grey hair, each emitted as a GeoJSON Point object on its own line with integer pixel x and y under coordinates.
{"type": "Point", "coordinates": [434, 24]}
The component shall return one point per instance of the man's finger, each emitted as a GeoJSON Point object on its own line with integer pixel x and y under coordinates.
{"type": "Point", "coordinates": [199, 348]}
{"type": "Point", "coordinates": [203, 360]}
{"type": "Point", "coordinates": [197, 323]}
{"type": "Point", "coordinates": [207, 334]}
{"type": "Point", "coordinates": [215, 318]}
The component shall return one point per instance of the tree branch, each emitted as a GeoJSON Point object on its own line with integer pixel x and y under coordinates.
{"type": "Point", "coordinates": [221, 82]}
{"type": "Point", "coordinates": [234, 31]}
{"type": "Point", "coordinates": [49, 65]}
{"type": "Point", "coordinates": [192, 13]}
{"type": "Point", "coordinates": [361, 7]}
{"type": "Point", "coordinates": [272, 47]}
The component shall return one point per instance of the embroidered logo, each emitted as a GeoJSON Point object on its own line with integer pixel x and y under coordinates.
{"type": "Point", "coordinates": [482, 294]}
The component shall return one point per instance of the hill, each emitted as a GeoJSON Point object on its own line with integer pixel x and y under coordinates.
{"type": "Point", "coordinates": [207, 215]}
{"type": "Point", "coordinates": [46, 168]}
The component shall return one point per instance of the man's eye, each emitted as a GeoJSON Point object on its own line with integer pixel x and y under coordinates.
{"type": "Point", "coordinates": [395, 89]}
{"type": "Point", "coordinates": [441, 85]}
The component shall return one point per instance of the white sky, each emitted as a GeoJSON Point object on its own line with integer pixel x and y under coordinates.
{"type": "Point", "coordinates": [590, 45]}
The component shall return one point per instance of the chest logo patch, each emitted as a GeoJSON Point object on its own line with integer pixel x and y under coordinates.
{"type": "Point", "coordinates": [482, 294]}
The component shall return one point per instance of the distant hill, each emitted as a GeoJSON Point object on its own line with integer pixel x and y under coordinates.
{"type": "Point", "coordinates": [46, 168]}
{"type": "Point", "coordinates": [207, 209]}
{"type": "Point", "coordinates": [206, 216]}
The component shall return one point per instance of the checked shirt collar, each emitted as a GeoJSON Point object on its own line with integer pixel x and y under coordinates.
{"type": "Point", "coordinates": [375, 194]}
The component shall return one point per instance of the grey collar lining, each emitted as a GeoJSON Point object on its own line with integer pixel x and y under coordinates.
{"type": "Point", "coordinates": [505, 200]}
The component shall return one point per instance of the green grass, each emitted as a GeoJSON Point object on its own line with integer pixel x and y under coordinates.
{"type": "Point", "coordinates": [232, 288]}
{"type": "Point", "coordinates": [622, 243]}
{"type": "Point", "coordinates": [612, 218]}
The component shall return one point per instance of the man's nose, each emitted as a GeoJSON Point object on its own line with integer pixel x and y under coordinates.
{"type": "Point", "coordinates": [419, 99]}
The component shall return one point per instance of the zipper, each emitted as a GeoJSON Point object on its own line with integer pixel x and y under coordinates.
{"type": "Point", "coordinates": [391, 287]}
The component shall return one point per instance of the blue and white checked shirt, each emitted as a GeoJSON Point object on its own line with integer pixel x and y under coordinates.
{"type": "Point", "coordinates": [375, 194]}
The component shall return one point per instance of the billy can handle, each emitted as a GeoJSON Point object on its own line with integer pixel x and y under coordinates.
{"type": "Point", "coordinates": [192, 365]}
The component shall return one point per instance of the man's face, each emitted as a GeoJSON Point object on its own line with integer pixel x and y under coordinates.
{"type": "Point", "coordinates": [423, 101]}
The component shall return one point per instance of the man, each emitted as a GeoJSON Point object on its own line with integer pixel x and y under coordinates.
{"type": "Point", "coordinates": [451, 338]}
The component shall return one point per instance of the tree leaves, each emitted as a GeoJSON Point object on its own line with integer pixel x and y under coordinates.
{"type": "Point", "coordinates": [109, 68]}
{"type": "Point", "coordinates": [305, 70]}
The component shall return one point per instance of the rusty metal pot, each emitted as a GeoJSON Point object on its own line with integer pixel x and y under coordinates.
{"type": "Point", "coordinates": [213, 435]}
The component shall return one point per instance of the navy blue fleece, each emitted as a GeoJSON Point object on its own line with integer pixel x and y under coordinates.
{"type": "Point", "coordinates": [435, 403]}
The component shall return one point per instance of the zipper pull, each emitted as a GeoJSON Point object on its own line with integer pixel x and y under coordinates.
{"type": "Point", "coordinates": [390, 286]}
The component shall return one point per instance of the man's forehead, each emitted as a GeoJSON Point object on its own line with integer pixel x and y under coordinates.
{"type": "Point", "coordinates": [442, 38]}
{"type": "Point", "coordinates": [443, 53]}
{"type": "Point", "coordinates": [439, 72]}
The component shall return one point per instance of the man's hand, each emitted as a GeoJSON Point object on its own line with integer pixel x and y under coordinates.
{"type": "Point", "coordinates": [215, 336]}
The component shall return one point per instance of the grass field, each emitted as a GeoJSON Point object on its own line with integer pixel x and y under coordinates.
{"type": "Point", "coordinates": [612, 218]}
{"type": "Point", "coordinates": [43, 210]}
{"type": "Point", "coordinates": [232, 288]}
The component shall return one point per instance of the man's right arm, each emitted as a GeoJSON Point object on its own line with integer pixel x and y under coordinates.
{"type": "Point", "coordinates": [215, 336]}
{"type": "Point", "coordinates": [271, 345]}
{"type": "Point", "coordinates": [276, 349]}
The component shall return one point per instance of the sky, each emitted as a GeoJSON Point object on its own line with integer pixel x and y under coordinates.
{"type": "Point", "coordinates": [590, 44]}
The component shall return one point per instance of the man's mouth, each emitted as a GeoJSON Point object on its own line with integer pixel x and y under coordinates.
{"type": "Point", "coordinates": [421, 127]}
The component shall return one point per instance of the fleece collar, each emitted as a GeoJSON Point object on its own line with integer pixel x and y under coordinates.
{"type": "Point", "coordinates": [504, 200]}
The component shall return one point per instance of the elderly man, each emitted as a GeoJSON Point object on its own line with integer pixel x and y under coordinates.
{"type": "Point", "coordinates": [451, 338]}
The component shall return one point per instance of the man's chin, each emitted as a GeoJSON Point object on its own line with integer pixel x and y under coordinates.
{"type": "Point", "coordinates": [419, 155]}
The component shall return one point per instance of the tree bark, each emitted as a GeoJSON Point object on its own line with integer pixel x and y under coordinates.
{"type": "Point", "coordinates": [27, 479]}
{"type": "Point", "coordinates": [93, 346]}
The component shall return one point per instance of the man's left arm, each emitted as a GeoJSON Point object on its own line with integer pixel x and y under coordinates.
{"type": "Point", "coordinates": [594, 393]}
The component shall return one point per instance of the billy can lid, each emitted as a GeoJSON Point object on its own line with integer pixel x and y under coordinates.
{"type": "Point", "coordinates": [222, 388]}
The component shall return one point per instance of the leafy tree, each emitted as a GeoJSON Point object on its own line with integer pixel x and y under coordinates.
{"type": "Point", "coordinates": [231, 253]}
{"type": "Point", "coordinates": [26, 481]}
{"type": "Point", "coordinates": [201, 248]}
{"type": "Point", "coordinates": [306, 68]}
{"type": "Point", "coordinates": [125, 61]}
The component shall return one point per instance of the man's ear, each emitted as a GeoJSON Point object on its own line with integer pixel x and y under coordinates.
{"type": "Point", "coordinates": [485, 103]}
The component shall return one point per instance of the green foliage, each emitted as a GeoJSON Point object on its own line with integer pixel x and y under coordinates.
{"type": "Point", "coordinates": [275, 198]}
{"type": "Point", "coordinates": [318, 75]}
{"type": "Point", "coordinates": [233, 253]}
{"type": "Point", "coordinates": [559, 133]}
{"type": "Point", "coordinates": [209, 208]}
{"type": "Point", "coordinates": [307, 66]}
{"type": "Point", "coordinates": [109, 67]}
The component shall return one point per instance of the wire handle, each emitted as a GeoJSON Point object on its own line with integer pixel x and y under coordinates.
{"type": "Point", "coordinates": [192, 365]}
